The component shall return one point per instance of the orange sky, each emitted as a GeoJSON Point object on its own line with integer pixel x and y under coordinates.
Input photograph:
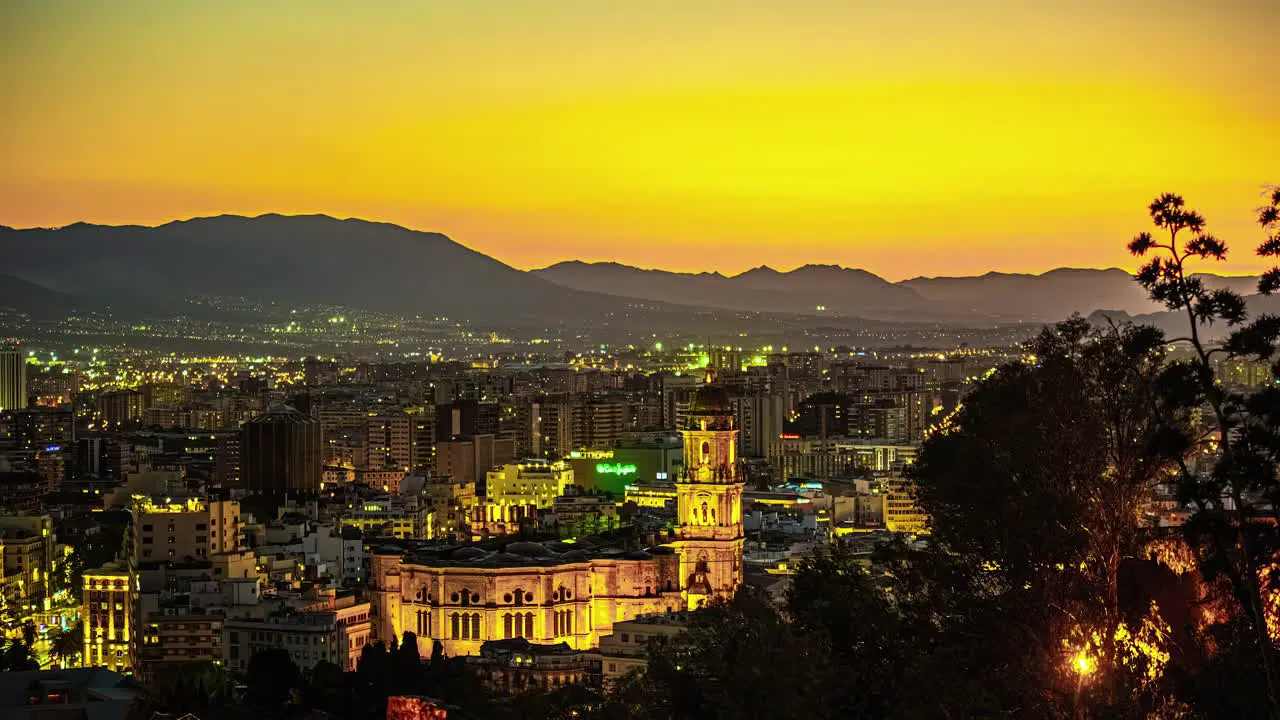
{"type": "Point", "coordinates": [914, 137]}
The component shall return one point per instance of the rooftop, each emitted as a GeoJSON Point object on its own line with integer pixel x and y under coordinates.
{"type": "Point", "coordinates": [523, 554]}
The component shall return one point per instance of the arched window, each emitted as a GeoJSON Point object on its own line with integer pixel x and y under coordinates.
{"type": "Point", "coordinates": [453, 626]}
{"type": "Point", "coordinates": [466, 597]}
{"type": "Point", "coordinates": [506, 626]}
{"type": "Point", "coordinates": [528, 625]}
{"type": "Point", "coordinates": [475, 626]}
{"type": "Point", "coordinates": [519, 597]}
{"type": "Point", "coordinates": [706, 452]}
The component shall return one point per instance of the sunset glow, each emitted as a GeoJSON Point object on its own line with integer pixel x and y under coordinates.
{"type": "Point", "coordinates": [693, 136]}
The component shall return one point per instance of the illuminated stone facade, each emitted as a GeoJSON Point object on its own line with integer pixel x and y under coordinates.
{"type": "Point", "coordinates": [108, 628]}
{"type": "Point", "coordinates": [557, 592]}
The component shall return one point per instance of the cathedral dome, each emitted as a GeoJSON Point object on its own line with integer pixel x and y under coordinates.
{"type": "Point", "coordinates": [710, 399]}
{"type": "Point", "coordinates": [529, 549]}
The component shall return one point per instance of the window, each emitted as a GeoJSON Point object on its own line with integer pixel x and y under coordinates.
{"type": "Point", "coordinates": [201, 526]}
{"type": "Point", "coordinates": [146, 528]}
{"type": "Point", "coordinates": [506, 626]}
{"type": "Point", "coordinates": [528, 625]}
{"type": "Point", "coordinates": [453, 626]}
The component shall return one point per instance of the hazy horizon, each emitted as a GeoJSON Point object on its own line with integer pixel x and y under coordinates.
{"type": "Point", "coordinates": [732, 272]}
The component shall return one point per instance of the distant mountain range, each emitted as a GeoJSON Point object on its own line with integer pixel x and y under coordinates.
{"type": "Point", "coordinates": [829, 289]}
{"type": "Point", "coordinates": [303, 260]}
{"type": "Point", "coordinates": [316, 260]}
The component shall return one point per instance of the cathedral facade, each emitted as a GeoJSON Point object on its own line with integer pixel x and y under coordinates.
{"type": "Point", "coordinates": [555, 592]}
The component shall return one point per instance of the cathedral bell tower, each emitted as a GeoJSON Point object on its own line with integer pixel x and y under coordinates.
{"type": "Point", "coordinates": [709, 534]}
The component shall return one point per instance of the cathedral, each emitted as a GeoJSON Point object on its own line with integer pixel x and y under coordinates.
{"type": "Point", "coordinates": [552, 592]}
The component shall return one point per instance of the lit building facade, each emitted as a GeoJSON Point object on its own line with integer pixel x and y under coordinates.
{"type": "Point", "coordinates": [511, 489]}
{"type": "Point", "coordinates": [336, 634]}
{"type": "Point", "coordinates": [177, 529]}
{"type": "Point", "coordinates": [553, 592]}
{"type": "Point", "coordinates": [28, 547]}
{"type": "Point", "coordinates": [108, 629]}
{"type": "Point", "coordinates": [511, 667]}
{"type": "Point", "coordinates": [627, 649]}
{"type": "Point", "coordinates": [901, 514]}
{"type": "Point", "coordinates": [394, 516]}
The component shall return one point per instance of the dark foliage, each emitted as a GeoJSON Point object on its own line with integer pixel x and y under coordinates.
{"type": "Point", "coordinates": [1235, 524]}
{"type": "Point", "coordinates": [271, 677]}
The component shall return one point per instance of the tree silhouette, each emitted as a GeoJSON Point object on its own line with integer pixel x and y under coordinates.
{"type": "Point", "coordinates": [406, 665]}
{"type": "Point", "coordinates": [189, 687]}
{"type": "Point", "coordinates": [1237, 502]}
{"type": "Point", "coordinates": [738, 659]}
{"type": "Point", "coordinates": [67, 645]}
{"type": "Point", "coordinates": [271, 677]}
{"type": "Point", "coordinates": [18, 656]}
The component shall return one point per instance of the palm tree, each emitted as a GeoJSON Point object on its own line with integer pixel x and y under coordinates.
{"type": "Point", "coordinates": [67, 645]}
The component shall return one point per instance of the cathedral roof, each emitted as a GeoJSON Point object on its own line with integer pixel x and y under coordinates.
{"type": "Point", "coordinates": [520, 553]}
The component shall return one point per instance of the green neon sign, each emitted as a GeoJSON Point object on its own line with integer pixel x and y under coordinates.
{"type": "Point", "coordinates": [615, 469]}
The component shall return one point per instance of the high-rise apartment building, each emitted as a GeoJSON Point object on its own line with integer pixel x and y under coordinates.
{"type": "Point", "coordinates": [760, 417]}
{"type": "Point", "coordinates": [462, 417]}
{"type": "Point", "coordinates": [389, 440]}
{"type": "Point", "coordinates": [13, 379]}
{"type": "Point", "coordinates": [120, 409]}
{"type": "Point", "coordinates": [37, 429]}
{"type": "Point", "coordinates": [598, 423]}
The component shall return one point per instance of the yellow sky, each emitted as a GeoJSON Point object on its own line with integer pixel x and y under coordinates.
{"type": "Point", "coordinates": [927, 137]}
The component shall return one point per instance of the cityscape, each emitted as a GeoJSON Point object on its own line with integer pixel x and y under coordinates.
{"type": "Point", "coordinates": [426, 361]}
